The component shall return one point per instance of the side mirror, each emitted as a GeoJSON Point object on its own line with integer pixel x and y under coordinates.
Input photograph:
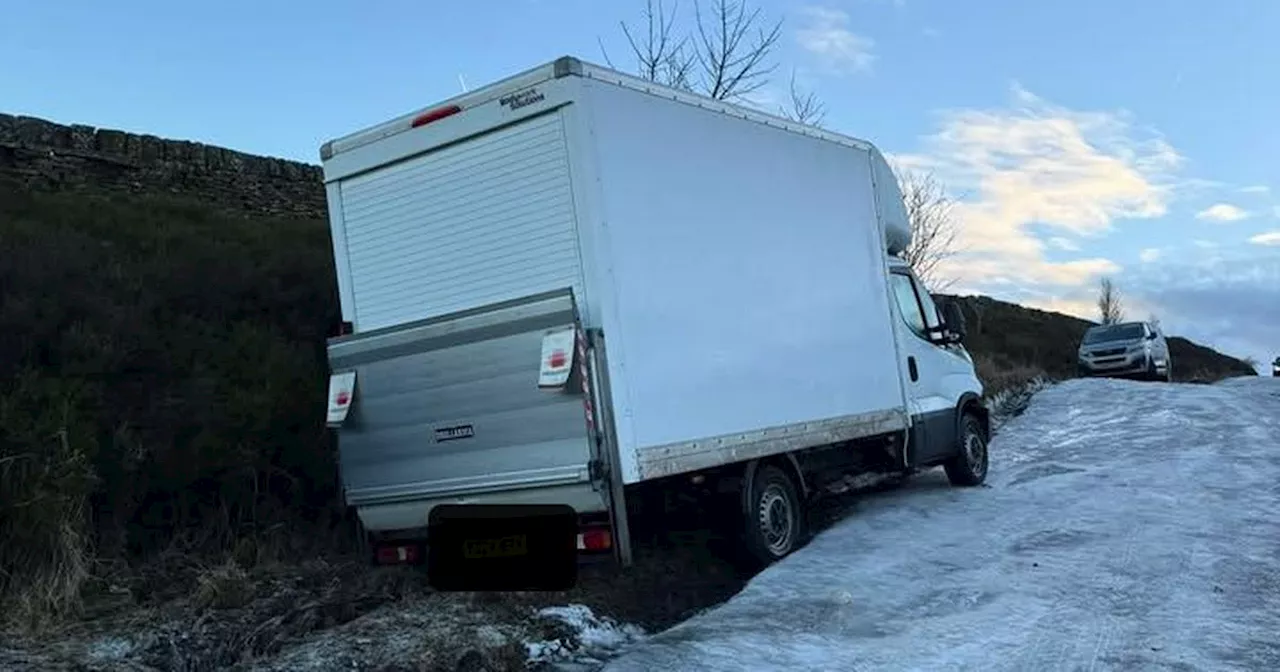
{"type": "Point", "coordinates": [953, 318]}
{"type": "Point", "coordinates": [1152, 336]}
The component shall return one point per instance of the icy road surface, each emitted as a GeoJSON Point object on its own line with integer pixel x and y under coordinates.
{"type": "Point", "coordinates": [1128, 526]}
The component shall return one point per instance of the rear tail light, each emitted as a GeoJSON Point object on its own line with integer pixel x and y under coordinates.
{"type": "Point", "coordinates": [399, 554]}
{"type": "Point", "coordinates": [595, 539]}
{"type": "Point", "coordinates": [557, 361]}
{"type": "Point", "coordinates": [342, 389]}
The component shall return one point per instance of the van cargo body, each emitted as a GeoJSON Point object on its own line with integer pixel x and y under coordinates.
{"type": "Point", "coordinates": [572, 282]}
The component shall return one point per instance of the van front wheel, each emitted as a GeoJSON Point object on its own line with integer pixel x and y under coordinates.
{"type": "Point", "coordinates": [969, 465]}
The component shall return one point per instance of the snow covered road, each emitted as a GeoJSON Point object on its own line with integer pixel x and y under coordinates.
{"type": "Point", "coordinates": [1127, 526]}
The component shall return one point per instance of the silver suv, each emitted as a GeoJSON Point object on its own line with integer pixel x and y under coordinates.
{"type": "Point", "coordinates": [1126, 349]}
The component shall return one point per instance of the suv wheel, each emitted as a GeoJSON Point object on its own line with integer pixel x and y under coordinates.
{"type": "Point", "coordinates": [1153, 371]}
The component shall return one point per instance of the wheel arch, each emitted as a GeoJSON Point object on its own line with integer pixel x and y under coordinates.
{"type": "Point", "coordinates": [784, 461]}
{"type": "Point", "coordinates": [759, 556]}
{"type": "Point", "coordinates": [971, 403]}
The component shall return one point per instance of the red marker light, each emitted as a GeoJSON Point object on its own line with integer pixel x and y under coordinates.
{"type": "Point", "coordinates": [557, 359]}
{"type": "Point", "coordinates": [398, 555]}
{"type": "Point", "coordinates": [343, 398]}
{"type": "Point", "coordinates": [434, 115]}
{"type": "Point", "coordinates": [597, 539]}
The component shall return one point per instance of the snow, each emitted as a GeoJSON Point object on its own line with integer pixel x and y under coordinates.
{"type": "Point", "coordinates": [596, 638]}
{"type": "Point", "coordinates": [1126, 526]}
{"type": "Point", "coordinates": [1011, 402]}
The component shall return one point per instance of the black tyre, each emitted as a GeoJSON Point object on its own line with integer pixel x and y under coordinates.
{"type": "Point", "coordinates": [1153, 371]}
{"type": "Point", "coordinates": [969, 466]}
{"type": "Point", "coordinates": [773, 515]}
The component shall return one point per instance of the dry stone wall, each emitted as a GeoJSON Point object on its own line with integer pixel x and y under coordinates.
{"type": "Point", "coordinates": [44, 155]}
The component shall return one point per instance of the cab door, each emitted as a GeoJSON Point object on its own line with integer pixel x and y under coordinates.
{"type": "Point", "coordinates": [929, 365]}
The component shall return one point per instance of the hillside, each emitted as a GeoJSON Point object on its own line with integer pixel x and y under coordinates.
{"type": "Point", "coordinates": [163, 309]}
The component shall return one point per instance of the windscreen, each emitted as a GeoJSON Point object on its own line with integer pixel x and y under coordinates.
{"type": "Point", "coordinates": [1118, 332]}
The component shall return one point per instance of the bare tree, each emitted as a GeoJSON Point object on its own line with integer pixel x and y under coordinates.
{"type": "Point", "coordinates": [934, 228]}
{"type": "Point", "coordinates": [803, 106]}
{"type": "Point", "coordinates": [727, 57]}
{"type": "Point", "coordinates": [1110, 310]}
{"type": "Point", "coordinates": [660, 55]}
{"type": "Point", "coordinates": [733, 49]}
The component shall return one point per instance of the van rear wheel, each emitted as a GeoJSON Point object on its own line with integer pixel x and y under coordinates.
{"type": "Point", "coordinates": [773, 515]}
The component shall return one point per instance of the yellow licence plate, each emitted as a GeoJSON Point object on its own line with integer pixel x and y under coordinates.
{"type": "Point", "coordinates": [511, 546]}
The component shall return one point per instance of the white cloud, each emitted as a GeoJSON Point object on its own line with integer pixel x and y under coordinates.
{"type": "Point", "coordinates": [1255, 189]}
{"type": "Point", "coordinates": [1223, 212]}
{"type": "Point", "coordinates": [1085, 309]}
{"type": "Point", "coordinates": [1032, 162]}
{"type": "Point", "coordinates": [1064, 244]}
{"type": "Point", "coordinates": [1269, 238]}
{"type": "Point", "coordinates": [827, 35]}
{"type": "Point", "coordinates": [1031, 174]}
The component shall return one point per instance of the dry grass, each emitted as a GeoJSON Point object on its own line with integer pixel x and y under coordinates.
{"type": "Point", "coordinates": [225, 586]}
{"type": "Point", "coordinates": [45, 593]}
{"type": "Point", "coordinates": [321, 615]}
{"type": "Point", "coordinates": [999, 373]}
{"type": "Point", "coordinates": [46, 475]}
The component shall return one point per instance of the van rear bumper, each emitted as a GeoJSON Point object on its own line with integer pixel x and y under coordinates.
{"type": "Point", "coordinates": [407, 541]}
{"type": "Point", "coordinates": [413, 514]}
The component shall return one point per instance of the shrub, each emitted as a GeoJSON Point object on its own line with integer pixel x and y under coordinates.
{"type": "Point", "coordinates": [164, 373]}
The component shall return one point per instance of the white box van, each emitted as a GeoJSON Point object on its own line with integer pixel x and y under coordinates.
{"type": "Point", "coordinates": [573, 283]}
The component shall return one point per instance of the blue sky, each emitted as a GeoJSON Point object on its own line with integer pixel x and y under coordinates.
{"type": "Point", "coordinates": [1086, 138]}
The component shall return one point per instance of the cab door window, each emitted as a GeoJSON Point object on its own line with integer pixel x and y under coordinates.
{"type": "Point", "coordinates": [932, 318]}
{"type": "Point", "coordinates": [908, 303]}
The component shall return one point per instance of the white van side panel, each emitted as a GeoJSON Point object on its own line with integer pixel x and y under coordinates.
{"type": "Point", "coordinates": [485, 220]}
{"type": "Point", "coordinates": [746, 280]}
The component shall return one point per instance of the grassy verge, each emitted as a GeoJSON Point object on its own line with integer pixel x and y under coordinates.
{"type": "Point", "coordinates": [161, 385]}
